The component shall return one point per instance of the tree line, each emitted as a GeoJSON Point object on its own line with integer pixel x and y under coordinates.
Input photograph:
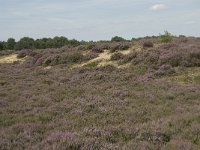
{"type": "Point", "coordinates": [56, 42]}
{"type": "Point", "coordinates": [30, 43]}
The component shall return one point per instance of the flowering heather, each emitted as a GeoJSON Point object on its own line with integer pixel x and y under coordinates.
{"type": "Point", "coordinates": [146, 105]}
{"type": "Point", "coordinates": [147, 43]}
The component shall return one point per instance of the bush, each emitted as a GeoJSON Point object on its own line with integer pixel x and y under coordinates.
{"type": "Point", "coordinates": [90, 46]}
{"type": "Point", "coordinates": [74, 57]}
{"type": "Point", "coordinates": [165, 70]}
{"type": "Point", "coordinates": [22, 54]}
{"type": "Point", "coordinates": [167, 37]}
{"type": "Point", "coordinates": [90, 56]}
{"type": "Point", "coordinates": [97, 50]}
{"type": "Point", "coordinates": [117, 56]}
{"type": "Point", "coordinates": [129, 57]}
{"type": "Point", "coordinates": [26, 52]}
{"type": "Point", "coordinates": [147, 43]}
{"type": "Point", "coordinates": [119, 46]}
{"type": "Point", "coordinates": [117, 39]}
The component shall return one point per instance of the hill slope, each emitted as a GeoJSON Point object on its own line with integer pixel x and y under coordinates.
{"type": "Point", "coordinates": [103, 96]}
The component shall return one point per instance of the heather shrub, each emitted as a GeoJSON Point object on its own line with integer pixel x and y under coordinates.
{"type": "Point", "coordinates": [117, 56]}
{"type": "Point", "coordinates": [74, 57]}
{"type": "Point", "coordinates": [128, 58]}
{"type": "Point", "coordinates": [168, 46]}
{"type": "Point", "coordinates": [174, 58]}
{"type": "Point", "coordinates": [22, 54]}
{"type": "Point", "coordinates": [151, 57]}
{"type": "Point", "coordinates": [53, 60]}
{"type": "Point", "coordinates": [97, 50]}
{"type": "Point", "coordinates": [107, 68]}
{"type": "Point", "coordinates": [82, 47]}
{"type": "Point", "coordinates": [65, 58]}
{"type": "Point", "coordinates": [5, 52]}
{"type": "Point", "coordinates": [166, 57]}
{"type": "Point", "coordinates": [164, 70]}
{"type": "Point", "coordinates": [147, 43]}
{"type": "Point", "coordinates": [90, 46]}
{"type": "Point", "coordinates": [157, 137]}
{"type": "Point", "coordinates": [90, 56]}
{"type": "Point", "coordinates": [119, 46]}
{"type": "Point", "coordinates": [125, 46]}
{"type": "Point", "coordinates": [26, 52]}
{"type": "Point", "coordinates": [114, 47]}
{"type": "Point", "coordinates": [36, 60]}
{"type": "Point", "coordinates": [105, 46]}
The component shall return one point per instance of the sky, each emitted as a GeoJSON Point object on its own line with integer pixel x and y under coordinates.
{"type": "Point", "coordinates": [98, 19]}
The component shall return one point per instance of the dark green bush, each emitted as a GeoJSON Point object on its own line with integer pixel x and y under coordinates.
{"type": "Point", "coordinates": [117, 39]}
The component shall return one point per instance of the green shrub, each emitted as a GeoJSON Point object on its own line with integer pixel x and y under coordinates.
{"type": "Point", "coordinates": [117, 39]}
{"type": "Point", "coordinates": [165, 38]}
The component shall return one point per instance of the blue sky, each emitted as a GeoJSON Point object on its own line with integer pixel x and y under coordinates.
{"type": "Point", "coordinates": [98, 19]}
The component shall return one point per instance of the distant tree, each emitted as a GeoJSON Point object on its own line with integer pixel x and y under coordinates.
{"type": "Point", "coordinates": [50, 43]}
{"type": "Point", "coordinates": [41, 43]}
{"type": "Point", "coordinates": [25, 43]}
{"type": "Point", "coordinates": [74, 42]}
{"type": "Point", "coordinates": [117, 39]}
{"type": "Point", "coordinates": [4, 45]}
{"type": "Point", "coordinates": [10, 43]}
{"type": "Point", "coordinates": [1, 46]}
{"type": "Point", "coordinates": [60, 41]}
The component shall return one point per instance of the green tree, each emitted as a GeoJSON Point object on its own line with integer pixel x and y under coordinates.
{"type": "Point", "coordinates": [60, 41]}
{"type": "Point", "coordinates": [1, 46]}
{"type": "Point", "coordinates": [117, 39]}
{"type": "Point", "coordinates": [25, 43]}
{"type": "Point", "coordinates": [74, 42]}
{"type": "Point", "coordinates": [41, 43]}
{"type": "Point", "coordinates": [10, 43]}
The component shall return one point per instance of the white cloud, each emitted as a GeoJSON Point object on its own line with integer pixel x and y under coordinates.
{"type": "Point", "coordinates": [158, 7]}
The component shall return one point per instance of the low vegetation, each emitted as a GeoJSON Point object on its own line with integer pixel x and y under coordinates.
{"type": "Point", "coordinates": [151, 103]}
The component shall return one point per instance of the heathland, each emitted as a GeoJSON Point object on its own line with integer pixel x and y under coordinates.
{"type": "Point", "coordinates": [139, 94]}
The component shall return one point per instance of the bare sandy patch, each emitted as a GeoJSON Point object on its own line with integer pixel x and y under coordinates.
{"type": "Point", "coordinates": [104, 58]}
{"type": "Point", "coordinates": [10, 59]}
